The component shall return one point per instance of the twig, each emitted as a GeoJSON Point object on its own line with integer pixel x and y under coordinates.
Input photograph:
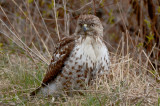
{"type": "Point", "coordinates": [81, 7]}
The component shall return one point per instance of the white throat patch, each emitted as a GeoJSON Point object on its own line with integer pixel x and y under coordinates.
{"type": "Point", "coordinates": [93, 48]}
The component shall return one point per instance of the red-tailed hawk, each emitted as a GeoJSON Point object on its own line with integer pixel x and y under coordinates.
{"type": "Point", "coordinates": [77, 59]}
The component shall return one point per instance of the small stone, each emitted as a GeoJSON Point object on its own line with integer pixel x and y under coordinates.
{"type": "Point", "coordinates": [53, 99]}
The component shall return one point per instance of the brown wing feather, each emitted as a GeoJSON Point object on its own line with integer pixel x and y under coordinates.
{"type": "Point", "coordinates": [63, 49]}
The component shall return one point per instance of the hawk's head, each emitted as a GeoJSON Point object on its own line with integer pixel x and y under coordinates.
{"type": "Point", "coordinates": [89, 25]}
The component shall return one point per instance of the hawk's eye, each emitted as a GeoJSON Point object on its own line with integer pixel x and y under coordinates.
{"type": "Point", "coordinates": [92, 24]}
{"type": "Point", "coordinates": [80, 24]}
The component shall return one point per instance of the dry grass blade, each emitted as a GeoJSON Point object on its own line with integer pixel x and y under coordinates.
{"type": "Point", "coordinates": [20, 41]}
{"type": "Point", "coordinates": [55, 15]}
{"type": "Point", "coordinates": [39, 54]}
{"type": "Point", "coordinates": [49, 35]}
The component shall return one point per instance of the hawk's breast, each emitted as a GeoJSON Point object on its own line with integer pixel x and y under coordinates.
{"type": "Point", "coordinates": [92, 52]}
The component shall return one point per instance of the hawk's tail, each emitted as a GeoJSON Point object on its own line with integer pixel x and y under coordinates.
{"type": "Point", "coordinates": [35, 91]}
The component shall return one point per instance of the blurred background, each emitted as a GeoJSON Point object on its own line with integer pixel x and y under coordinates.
{"type": "Point", "coordinates": [44, 22]}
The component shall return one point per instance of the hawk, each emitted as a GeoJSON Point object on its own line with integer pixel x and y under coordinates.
{"type": "Point", "coordinates": [78, 59]}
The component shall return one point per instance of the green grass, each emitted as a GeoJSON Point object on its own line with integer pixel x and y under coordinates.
{"type": "Point", "coordinates": [19, 74]}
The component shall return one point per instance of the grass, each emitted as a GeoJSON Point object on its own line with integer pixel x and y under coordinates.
{"type": "Point", "coordinates": [18, 76]}
{"type": "Point", "coordinates": [129, 83]}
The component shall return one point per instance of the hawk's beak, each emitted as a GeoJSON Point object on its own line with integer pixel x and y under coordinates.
{"type": "Point", "coordinates": [85, 28]}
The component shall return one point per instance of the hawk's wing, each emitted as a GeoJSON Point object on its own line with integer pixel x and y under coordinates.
{"type": "Point", "coordinates": [60, 55]}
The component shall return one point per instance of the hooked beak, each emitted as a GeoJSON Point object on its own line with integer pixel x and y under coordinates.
{"type": "Point", "coordinates": [85, 28]}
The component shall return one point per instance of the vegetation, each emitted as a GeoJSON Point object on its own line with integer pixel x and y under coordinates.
{"type": "Point", "coordinates": [29, 30]}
